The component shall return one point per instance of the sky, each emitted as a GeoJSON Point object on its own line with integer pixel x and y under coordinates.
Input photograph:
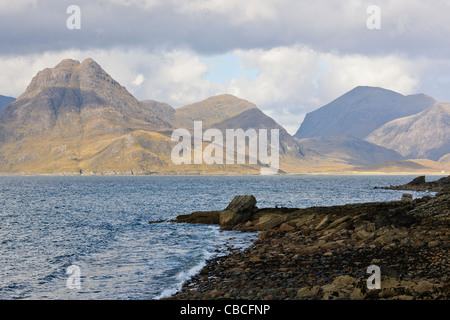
{"type": "Point", "coordinates": [289, 57]}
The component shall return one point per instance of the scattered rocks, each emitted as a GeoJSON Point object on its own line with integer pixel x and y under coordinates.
{"type": "Point", "coordinates": [324, 253]}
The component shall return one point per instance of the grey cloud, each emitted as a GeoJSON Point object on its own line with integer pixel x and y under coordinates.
{"type": "Point", "coordinates": [322, 25]}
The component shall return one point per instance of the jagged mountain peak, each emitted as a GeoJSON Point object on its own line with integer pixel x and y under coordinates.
{"type": "Point", "coordinates": [69, 73]}
{"type": "Point", "coordinates": [68, 63]}
{"type": "Point", "coordinates": [71, 89]}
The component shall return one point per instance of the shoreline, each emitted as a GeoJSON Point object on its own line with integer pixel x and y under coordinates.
{"type": "Point", "coordinates": [323, 253]}
{"type": "Point", "coordinates": [6, 174]}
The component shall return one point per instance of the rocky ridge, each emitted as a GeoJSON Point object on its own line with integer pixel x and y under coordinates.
{"type": "Point", "coordinates": [420, 184]}
{"type": "Point", "coordinates": [324, 253]}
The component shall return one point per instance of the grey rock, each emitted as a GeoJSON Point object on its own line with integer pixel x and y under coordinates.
{"type": "Point", "coordinates": [239, 210]}
{"type": "Point", "coordinates": [407, 197]}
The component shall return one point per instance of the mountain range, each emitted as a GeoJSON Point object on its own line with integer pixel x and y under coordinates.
{"type": "Point", "coordinates": [360, 111]}
{"type": "Point", "coordinates": [75, 118]}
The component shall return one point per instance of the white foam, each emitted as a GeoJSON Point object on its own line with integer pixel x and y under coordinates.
{"type": "Point", "coordinates": [238, 240]}
{"type": "Point", "coordinates": [183, 276]}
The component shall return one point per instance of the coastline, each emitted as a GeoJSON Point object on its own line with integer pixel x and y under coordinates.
{"type": "Point", "coordinates": [331, 173]}
{"type": "Point", "coordinates": [323, 253]}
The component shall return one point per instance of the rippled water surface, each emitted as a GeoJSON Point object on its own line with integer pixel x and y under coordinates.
{"type": "Point", "coordinates": [100, 224]}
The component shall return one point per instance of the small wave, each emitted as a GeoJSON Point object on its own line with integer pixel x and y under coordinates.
{"type": "Point", "coordinates": [183, 276]}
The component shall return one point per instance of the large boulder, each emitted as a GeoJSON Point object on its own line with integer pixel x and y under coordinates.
{"type": "Point", "coordinates": [417, 181]}
{"type": "Point", "coordinates": [238, 211]}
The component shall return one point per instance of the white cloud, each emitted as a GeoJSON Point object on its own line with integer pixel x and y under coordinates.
{"type": "Point", "coordinates": [291, 81]}
{"type": "Point", "coordinates": [138, 80]}
{"type": "Point", "coordinates": [295, 80]}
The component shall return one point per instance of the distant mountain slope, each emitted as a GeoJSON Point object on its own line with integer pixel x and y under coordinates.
{"type": "Point", "coordinates": [4, 100]}
{"type": "Point", "coordinates": [348, 150]}
{"type": "Point", "coordinates": [229, 112]}
{"type": "Point", "coordinates": [360, 111]}
{"type": "Point", "coordinates": [255, 118]}
{"type": "Point", "coordinates": [75, 118]}
{"type": "Point", "coordinates": [212, 110]}
{"type": "Point", "coordinates": [393, 167]}
{"type": "Point", "coordinates": [445, 159]}
{"type": "Point", "coordinates": [162, 110]}
{"type": "Point", "coordinates": [425, 135]}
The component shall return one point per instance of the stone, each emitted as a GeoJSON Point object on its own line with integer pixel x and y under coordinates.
{"type": "Point", "coordinates": [384, 239]}
{"type": "Point", "coordinates": [302, 221]}
{"type": "Point", "coordinates": [388, 293]}
{"type": "Point", "coordinates": [407, 197]}
{"type": "Point", "coordinates": [269, 222]}
{"type": "Point", "coordinates": [286, 227]}
{"type": "Point", "coordinates": [203, 217]}
{"type": "Point", "coordinates": [356, 294]}
{"type": "Point", "coordinates": [433, 244]}
{"type": "Point", "coordinates": [308, 292]}
{"type": "Point", "coordinates": [362, 235]}
{"type": "Point", "coordinates": [263, 235]}
{"type": "Point", "coordinates": [417, 181]}
{"type": "Point", "coordinates": [336, 224]}
{"type": "Point", "coordinates": [323, 223]}
{"type": "Point", "coordinates": [343, 281]}
{"type": "Point", "coordinates": [241, 204]}
{"type": "Point", "coordinates": [423, 286]}
{"type": "Point", "coordinates": [238, 211]}
{"type": "Point", "coordinates": [215, 293]}
{"type": "Point", "coordinates": [307, 250]}
{"type": "Point", "coordinates": [404, 297]}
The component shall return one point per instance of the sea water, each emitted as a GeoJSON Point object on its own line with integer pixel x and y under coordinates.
{"type": "Point", "coordinates": [100, 225]}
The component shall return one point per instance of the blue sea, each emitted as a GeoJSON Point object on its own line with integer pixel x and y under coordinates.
{"type": "Point", "coordinates": [100, 225]}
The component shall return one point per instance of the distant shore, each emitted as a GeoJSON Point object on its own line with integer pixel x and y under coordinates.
{"type": "Point", "coordinates": [343, 173]}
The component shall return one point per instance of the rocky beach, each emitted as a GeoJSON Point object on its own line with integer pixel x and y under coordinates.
{"type": "Point", "coordinates": [323, 253]}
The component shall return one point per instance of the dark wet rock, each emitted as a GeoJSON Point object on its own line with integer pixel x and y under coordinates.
{"type": "Point", "coordinates": [420, 184]}
{"type": "Point", "coordinates": [239, 211]}
{"type": "Point", "coordinates": [202, 217]}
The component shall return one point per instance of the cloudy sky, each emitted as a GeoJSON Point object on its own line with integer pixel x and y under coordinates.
{"type": "Point", "coordinates": [287, 56]}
